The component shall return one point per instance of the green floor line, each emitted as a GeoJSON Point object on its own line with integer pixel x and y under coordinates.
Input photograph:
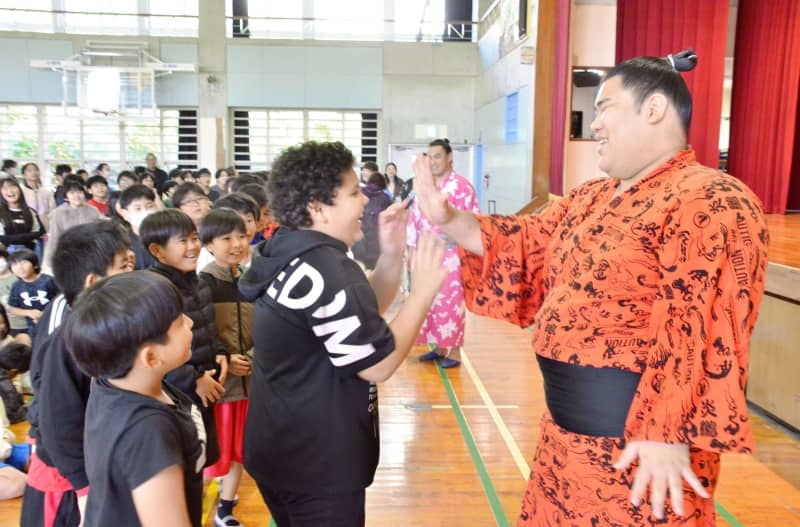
{"type": "Point", "coordinates": [722, 511]}
{"type": "Point", "coordinates": [486, 481]}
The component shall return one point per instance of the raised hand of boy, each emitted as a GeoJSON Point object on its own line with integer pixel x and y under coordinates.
{"type": "Point", "coordinates": [208, 389]}
{"type": "Point", "coordinates": [425, 285]}
{"type": "Point", "coordinates": [429, 268]}
{"type": "Point", "coordinates": [392, 230]}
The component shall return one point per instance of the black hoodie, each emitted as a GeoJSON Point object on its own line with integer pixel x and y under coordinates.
{"type": "Point", "coordinates": [312, 423]}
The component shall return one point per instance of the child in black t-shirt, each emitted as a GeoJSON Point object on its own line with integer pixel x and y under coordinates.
{"type": "Point", "coordinates": [33, 290]}
{"type": "Point", "coordinates": [145, 441]}
{"type": "Point", "coordinates": [171, 237]}
{"type": "Point", "coordinates": [321, 344]}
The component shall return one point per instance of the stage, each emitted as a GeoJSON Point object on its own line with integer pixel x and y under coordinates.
{"type": "Point", "coordinates": [784, 245]}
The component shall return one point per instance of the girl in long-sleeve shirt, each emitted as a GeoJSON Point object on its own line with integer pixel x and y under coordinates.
{"type": "Point", "coordinates": [20, 225]}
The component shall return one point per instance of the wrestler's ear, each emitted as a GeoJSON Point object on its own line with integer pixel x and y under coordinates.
{"type": "Point", "coordinates": [655, 107]}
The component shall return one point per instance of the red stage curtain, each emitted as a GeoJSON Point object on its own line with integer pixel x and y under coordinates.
{"type": "Point", "coordinates": [659, 27]}
{"type": "Point", "coordinates": [764, 113]}
{"type": "Point", "coordinates": [560, 114]}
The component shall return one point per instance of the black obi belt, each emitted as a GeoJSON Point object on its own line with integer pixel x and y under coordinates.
{"type": "Point", "coordinates": [587, 400]}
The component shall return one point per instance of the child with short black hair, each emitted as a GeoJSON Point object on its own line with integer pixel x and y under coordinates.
{"type": "Point", "coordinates": [204, 180]}
{"type": "Point", "coordinates": [246, 207]}
{"type": "Point", "coordinates": [144, 437]}
{"type": "Point", "coordinates": [33, 289]}
{"type": "Point", "coordinates": [190, 198]}
{"type": "Point", "coordinates": [62, 172]}
{"type": "Point", "coordinates": [125, 179]}
{"type": "Point", "coordinates": [135, 204]}
{"type": "Point", "coordinates": [248, 210]}
{"type": "Point", "coordinates": [311, 439]}
{"type": "Point", "coordinates": [167, 191]}
{"type": "Point", "coordinates": [98, 188]}
{"type": "Point", "coordinates": [74, 211]}
{"type": "Point", "coordinates": [267, 226]}
{"type": "Point", "coordinates": [224, 234]}
{"type": "Point", "coordinates": [15, 325]}
{"type": "Point", "coordinates": [83, 255]}
{"type": "Point", "coordinates": [172, 239]}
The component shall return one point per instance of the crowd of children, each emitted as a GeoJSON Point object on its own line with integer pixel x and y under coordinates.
{"type": "Point", "coordinates": [155, 340]}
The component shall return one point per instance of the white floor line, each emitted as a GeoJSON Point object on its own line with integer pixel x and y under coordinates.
{"type": "Point", "coordinates": [505, 433]}
{"type": "Point", "coordinates": [475, 406]}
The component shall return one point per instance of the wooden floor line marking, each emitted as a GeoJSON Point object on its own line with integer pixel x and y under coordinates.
{"type": "Point", "coordinates": [477, 406]}
{"type": "Point", "coordinates": [486, 482]}
{"type": "Point", "coordinates": [505, 433]}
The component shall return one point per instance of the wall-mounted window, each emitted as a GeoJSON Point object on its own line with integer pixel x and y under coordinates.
{"type": "Point", "coordinates": [391, 20]}
{"type": "Point", "coordinates": [512, 118]}
{"type": "Point", "coordinates": [260, 135]}
{"type": "Point", "coordinates": [176, 18]}
{"type": "Point", "coordinates": [44, 135]}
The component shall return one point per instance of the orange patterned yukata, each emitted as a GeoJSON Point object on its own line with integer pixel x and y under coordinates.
{"type": "Point", "coordinates": [664, 280]}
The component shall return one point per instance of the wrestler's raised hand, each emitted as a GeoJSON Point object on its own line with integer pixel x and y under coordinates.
{"type": "Point", "coordinates": [665, 465]}
{"type": "Point", "coordinates": [434, 204]}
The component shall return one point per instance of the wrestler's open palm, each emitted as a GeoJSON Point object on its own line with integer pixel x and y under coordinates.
{"type": "Point", "coordinates": [663, 467]}
{"type": "Point", "coordinates": [434, 204]}
{"type": "Point", "coordinates": [392, 229]}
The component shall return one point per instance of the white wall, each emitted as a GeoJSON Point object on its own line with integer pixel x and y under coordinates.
{"type": "Point", "coordinates": [21, 83]}
{"type": "Point", "coordinates": [592, 41]}
{"type": "Point", "coordinates": [276, 75]}
{"type": "Point", "coordinates": [427, 84]}
{"type": "Point", "coordinates": [509, 166]}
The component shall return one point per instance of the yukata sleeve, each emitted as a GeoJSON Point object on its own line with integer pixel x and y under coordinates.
{"type": "Point", "coordinates": [712, 266]}
{"type": "Point", "coordinates": [465, 197]}
{"type": "Point", "coordinates": [507, 282]}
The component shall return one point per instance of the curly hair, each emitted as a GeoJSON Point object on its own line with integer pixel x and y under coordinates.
{"type": "Point", "coordinates": [303, 174]}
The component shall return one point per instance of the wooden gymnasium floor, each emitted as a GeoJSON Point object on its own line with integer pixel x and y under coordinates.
{"type": "Point", "coordinates": [784, 247]}
{"type": "Point", "coordinates": [456, 444]}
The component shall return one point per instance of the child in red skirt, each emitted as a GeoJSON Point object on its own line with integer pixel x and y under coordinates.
{"type": "Point", "coordinates": [223, 234]}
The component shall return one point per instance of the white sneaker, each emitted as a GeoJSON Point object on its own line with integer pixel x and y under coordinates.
{"type": "Point", "coordinates": [227, 521]}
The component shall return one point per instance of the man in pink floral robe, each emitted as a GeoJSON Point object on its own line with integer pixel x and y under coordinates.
{"type": "Point", "coordinates": [444, 326]}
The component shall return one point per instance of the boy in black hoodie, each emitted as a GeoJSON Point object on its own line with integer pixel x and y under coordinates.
{"type": "Point", "coordinates": [311, 438]}
{"type": "Point", "coordinates": [57, 484]}
{"type": "Point", "coordinates": [172, 239]}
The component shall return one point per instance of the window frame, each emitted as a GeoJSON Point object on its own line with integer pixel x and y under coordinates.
{"type": "Point", "coordinates": [169, 118]}
{"type": "Point", "coordinates": [273, 150]}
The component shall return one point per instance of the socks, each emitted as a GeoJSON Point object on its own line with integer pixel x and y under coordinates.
{"type": "Point", "coordinates": [225, 508]}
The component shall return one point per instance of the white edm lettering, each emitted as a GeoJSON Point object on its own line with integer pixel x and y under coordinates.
{"type": "Point", "coordinates": [304, 270]}
{"type": "Point", "coordinates": [343, 354]}
{"type": "Point", "coordinates": [339, 330]}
